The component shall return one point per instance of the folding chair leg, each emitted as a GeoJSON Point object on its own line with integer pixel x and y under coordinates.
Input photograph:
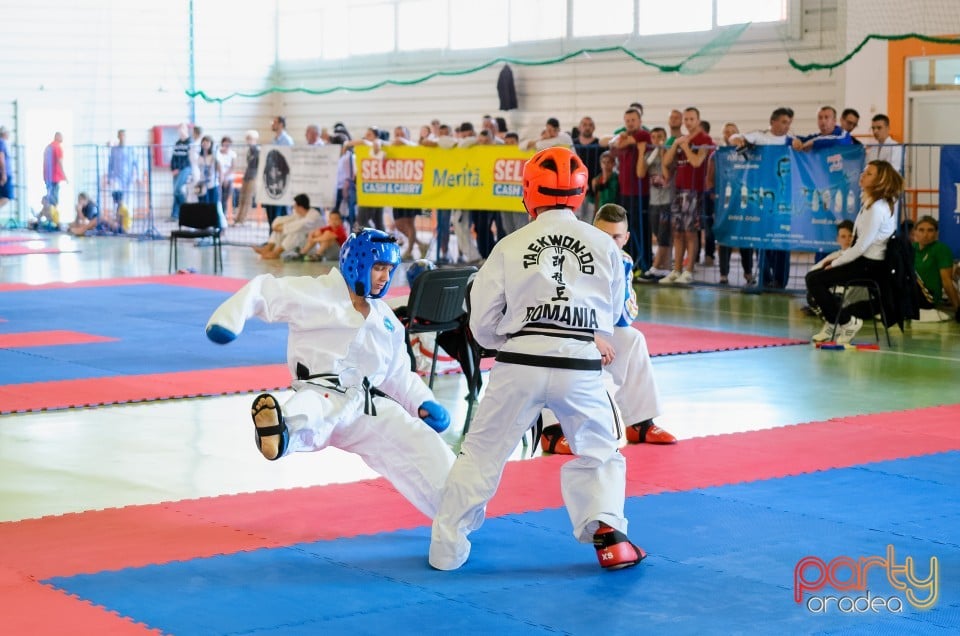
{"type": "Point", "coordinates": [433, 364]}
{"type": "Point", "coordinates": [413, 356]}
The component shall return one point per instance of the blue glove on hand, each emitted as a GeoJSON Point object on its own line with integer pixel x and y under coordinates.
{"type": "Point", "coordinates": [220, 335]}
{"type": "Point", "coordinates": [436, 416]}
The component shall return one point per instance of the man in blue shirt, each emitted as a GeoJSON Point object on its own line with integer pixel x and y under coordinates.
{"type": "Point", "coordinates": [828, 134]}
{"type": "Point", "coordinates": [122, 170]}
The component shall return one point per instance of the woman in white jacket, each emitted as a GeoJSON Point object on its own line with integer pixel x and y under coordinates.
{"type": "Point", "coordinates": [881, 186]}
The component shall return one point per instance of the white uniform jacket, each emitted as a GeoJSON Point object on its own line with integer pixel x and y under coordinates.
{"type": "Point", "coordinates": [556, 271]}
{"type": "Point", "coordinates": [328, 336]}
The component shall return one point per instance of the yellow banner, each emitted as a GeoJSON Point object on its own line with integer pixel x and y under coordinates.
{"type": "Point", "coordinates": [476, 178]}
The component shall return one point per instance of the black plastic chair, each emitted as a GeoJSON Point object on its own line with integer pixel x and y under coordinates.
{"type": "Point", "coordinates": [437, 303]}
{"type": "Point", "coordinates": [198, 221]}
{"type": "Point", "coordinates": [876, 306]}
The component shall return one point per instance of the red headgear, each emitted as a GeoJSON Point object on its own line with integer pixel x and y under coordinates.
{"type": "Point", "coordinates": [556, 178]}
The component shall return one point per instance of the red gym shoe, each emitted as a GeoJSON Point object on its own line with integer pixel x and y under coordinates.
{"type": "Point", "coordinates": [614, 550]}
{"type": "Point", "coordinates": [552, 440]}
{"type": "Point", "coordinates": [650, 433]}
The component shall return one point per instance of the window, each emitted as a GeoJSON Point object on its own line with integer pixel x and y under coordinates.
{"type": "Point", "coordinates": [475, 25]}
{"type": "Point", "coordinates": [422, 24]}
{"type": "Point", "coordinates": [538, 20]}
{"type": "Point", "coordinates": [371, 28]}
{"type": "Point", "coordinates": [298, 35]}
{"type": "Point", "coordinates": [616, 18]}
{"type": "Point", "coordinates": [674, 16]}
{"type": "Point", "coordinates": [742, 11]}
{"type": "Point", "coordinates": [337, 29]}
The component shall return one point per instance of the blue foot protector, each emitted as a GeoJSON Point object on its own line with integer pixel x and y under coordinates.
{"type": "Point", "coordinates": [220, 335]}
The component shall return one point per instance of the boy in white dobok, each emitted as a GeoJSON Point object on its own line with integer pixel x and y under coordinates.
{"type": "Point", "coordinates": [348, 357]}
{"type": "Point", "coordinates": [539, 299]}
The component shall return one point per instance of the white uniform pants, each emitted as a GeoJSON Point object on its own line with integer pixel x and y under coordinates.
{"type": "Point", "coordinates": [406, 451]}
{"type": "Point", "coordinates": [632, 372]}
{"type": "Point", "coordinates": [629, 378]}
{"type": "Point", "coordinates": [592, 484]}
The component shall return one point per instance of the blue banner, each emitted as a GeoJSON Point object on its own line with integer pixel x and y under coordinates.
{"type": "Point", "coordinates": [950, 198]}
{"type": "Point", "coordinates": [775, 198]}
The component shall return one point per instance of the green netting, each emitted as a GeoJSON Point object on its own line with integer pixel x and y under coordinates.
{"type": "Point", "coordinates": [696, 63]}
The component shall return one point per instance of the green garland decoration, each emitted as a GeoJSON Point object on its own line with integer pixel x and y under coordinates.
{"type": "Point", "coordinates": [696, 63]}
{"type": "Point", "coordinates": [813, 66]}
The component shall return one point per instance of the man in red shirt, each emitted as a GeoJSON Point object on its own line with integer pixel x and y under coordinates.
{"type": "Point", "coordinates": [53, 174]}
{"type": "Point", "coordinates": [687, 159]}
{"type": "Point", "coordinates": [634, 193]}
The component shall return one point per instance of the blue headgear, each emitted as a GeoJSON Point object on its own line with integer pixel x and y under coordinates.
{"type": "Point", "coordinates": [418, 267]}
{"type": "Point", "coordinates": [361, 252]}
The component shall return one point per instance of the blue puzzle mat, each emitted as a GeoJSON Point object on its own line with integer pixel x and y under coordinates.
{"type": "Point", "coordinates": [722, 560]}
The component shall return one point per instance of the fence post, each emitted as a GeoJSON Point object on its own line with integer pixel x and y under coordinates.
{"type": "Point", "coordinates": [151, 232]}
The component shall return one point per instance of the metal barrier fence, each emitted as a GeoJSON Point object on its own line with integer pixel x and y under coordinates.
{"type": "Point", "coordinates": [776, 270]}
{"type": "Point", "coordinates": [146, 189]}
{"type": "Point", "coordinates": [147, 192]}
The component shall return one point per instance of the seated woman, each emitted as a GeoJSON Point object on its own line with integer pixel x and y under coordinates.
{"type": "Point", "coordinates": [933, 261]}
{"type": "Point", "coordinates": [858, 299]}
{"type": "Point", "coordinates": [881, 186]}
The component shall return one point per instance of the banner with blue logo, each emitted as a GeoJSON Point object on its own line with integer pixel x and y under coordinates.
{"type": "Point", "coordinates": [773, 197]}
{"type": "Point", "coordinates": [950, 198]}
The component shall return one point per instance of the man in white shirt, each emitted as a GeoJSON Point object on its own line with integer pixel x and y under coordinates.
{"type": "Point", "coordinates": [777, 135]}
{"type": "Point", "coordinates": [776, 264]}
{"type": "Point", "coordinates": [313, 135]}
{"type": "Point", "coordinates": [886, 148]}
{"type": "Point", "coordinates": [550, 136]}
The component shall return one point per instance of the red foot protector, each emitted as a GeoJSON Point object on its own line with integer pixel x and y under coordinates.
{"type": "Point", "coordinates": [614, 550]}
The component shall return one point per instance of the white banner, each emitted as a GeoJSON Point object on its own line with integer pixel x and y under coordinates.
{"type": "Point", "coordinates": [286, 171]}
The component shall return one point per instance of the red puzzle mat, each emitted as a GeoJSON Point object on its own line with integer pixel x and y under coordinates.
{"type": "Point", "coordinates": [21, 250]}
{"type": "Point", "coordinates": [37, 549]}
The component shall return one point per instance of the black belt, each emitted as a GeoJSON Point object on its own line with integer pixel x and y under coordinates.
{"type": "Point", "coordinates": [332, 382]}
{"type": "Point", "coordinates": [549, 362]}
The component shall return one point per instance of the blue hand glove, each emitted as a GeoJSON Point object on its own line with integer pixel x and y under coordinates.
{"type": "Point", "coordinates": [437, 417]}
{"type": "Point", "coordinates": [220, 335]}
